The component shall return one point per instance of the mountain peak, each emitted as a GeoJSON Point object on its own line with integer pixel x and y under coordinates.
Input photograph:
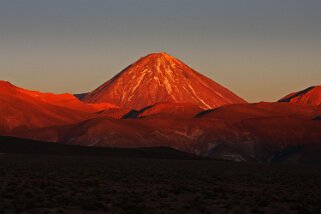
{"type": "Point", "coordinates": [159, 55]}
{"type": "Point", "coordinates": [157, 60]}
{"type": "Point", "coordinates": [311, 96]}
{"type": "Point", "coordinates": [7, 87]}
{"type": "Point", "coordinates": [160, 77]}
{"type": "Point", "coordinates": [5, 84]}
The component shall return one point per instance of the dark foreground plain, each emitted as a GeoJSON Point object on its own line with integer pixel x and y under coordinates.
{"type": "Point", "coordinates": [62, 183]}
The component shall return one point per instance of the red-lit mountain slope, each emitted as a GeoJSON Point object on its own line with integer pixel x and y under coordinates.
{"type": "Point", "coordinates": [173, 110]}
{"type": "Point", "coordinates": [311, 96]}
{"type": "Point", "coordinates": [159, 77]}
{"type": "Point", "coordinates": [262, 110]}
{"type": "Point", "coordinates": [252, 131]}
{"type": "Point", "coordinates": [24, 109]}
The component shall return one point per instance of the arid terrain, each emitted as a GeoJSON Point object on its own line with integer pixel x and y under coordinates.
{"type": "Point", "coordinates": [159, 101]}
{"type": "Point", "coordinates": [159, 137]}
{"type": "Point", "coordinates": [160, 107]}
{"type": "Point", "coordinates": [101, 182]}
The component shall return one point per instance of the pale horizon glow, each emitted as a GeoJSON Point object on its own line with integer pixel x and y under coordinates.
{"type": "Point", "coordinates": [260, 50]}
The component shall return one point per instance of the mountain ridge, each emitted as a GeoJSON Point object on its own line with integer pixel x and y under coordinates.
{"type": "Point", "coordinates": [310, 96]}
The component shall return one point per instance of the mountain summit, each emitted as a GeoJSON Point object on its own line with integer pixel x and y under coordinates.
{"type": "Point", "coordinates": [160, 77]}
{"type": "Point", "coordinates": [311, 96]}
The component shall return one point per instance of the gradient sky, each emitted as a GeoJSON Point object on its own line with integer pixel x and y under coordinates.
{"type": "Point", "coordinates": [260, 49]}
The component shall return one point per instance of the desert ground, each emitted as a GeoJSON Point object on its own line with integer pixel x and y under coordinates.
{"type": "Point", "coordinates": [49, 183]}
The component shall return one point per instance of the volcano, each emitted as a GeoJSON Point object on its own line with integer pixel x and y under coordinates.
{"type": "Point", "coordinates": [311, 96]}
{"type": "Point", "coordinates": [161, 78]}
